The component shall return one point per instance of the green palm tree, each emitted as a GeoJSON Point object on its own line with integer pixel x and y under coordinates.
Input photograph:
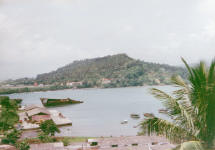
{"type": "Point", "coordinates": [191, 108]}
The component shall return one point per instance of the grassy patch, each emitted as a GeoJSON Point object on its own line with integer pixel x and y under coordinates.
{"type": "Point", "coordinates": [66, 140]}
{"type": "Point", "coordinates": [77, 139]}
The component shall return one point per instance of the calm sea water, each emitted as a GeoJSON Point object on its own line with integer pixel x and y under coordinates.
{"type": "Point", "coordinates": [102, 110]}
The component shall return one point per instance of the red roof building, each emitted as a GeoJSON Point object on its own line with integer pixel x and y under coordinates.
{"type": "Point", "coordinates": [40, 118]}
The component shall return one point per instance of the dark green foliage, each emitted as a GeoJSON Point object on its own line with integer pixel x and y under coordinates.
{"type": "Point", "coordinates": [202, 80]}
{"type": "Point", "coordinates": [49, 127]}
{"type": "Point", "coordinates": [24, 145]}
{"type": "Point", "coordinates": [8, 114]}
{"type": "Point", "coordinates": [45, 138]}
{"type": "Point", "coordinates": [11, 137]}
{"type": "Point", "coordinates": [35, 89]}
{"type": "Point", "coordinates": [94, 144]}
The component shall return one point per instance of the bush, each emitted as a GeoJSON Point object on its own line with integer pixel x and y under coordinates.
{"type": "Point", "coordinates": [49, 127]}
{"type": "Point", "coordinates": [94, 144]}
{"type": "Point", "coordinates": [44, 138]}
{"type": "Point", "coordinates": [33, 140]}
{"type": "Point", "coordinates": [23, 145]}
{"type": "Point", "coordinates": [54, 139]}
{"type": "Point", "coordinates": [5, 141]}
{"type": "Point", "coordinates": [65, 141]}
{"type": "Point", "coordinates": [11, 137]}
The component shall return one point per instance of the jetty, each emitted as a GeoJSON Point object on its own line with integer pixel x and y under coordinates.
{"type": "Point", "coordinates": [164, 111]}
{"type": "Point", "coordinates": [33, 115]}
{"type": "Point", "coordinates": [49, 102]}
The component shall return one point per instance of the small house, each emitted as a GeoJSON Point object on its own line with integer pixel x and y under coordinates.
{"type": "Point", "coordinates": [41, 85]}
{"type": "Point", "coordinates": [74, 84]}
{"type": "Point", "coordinates": [106, 81]}
{"type": "Point", "coordinates": [38, 114]}
{"type": "Point", "coordinates": [35, 84]}
{"type": "Point", "coordinates": [40, 118]}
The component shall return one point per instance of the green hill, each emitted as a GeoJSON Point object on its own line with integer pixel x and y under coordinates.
{"type": "Point", "coordinates": [118, 70]}
{"type": "Point", "coordinates": [105, 72]}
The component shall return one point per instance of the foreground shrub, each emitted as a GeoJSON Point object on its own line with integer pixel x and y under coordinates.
{"type": "Point", "coordinates": [44, 138]}
{"type": "Point", "coordinates": [24, 145]}
{"type": "Point", "coordinates": [66, 141]}
{"type": "Point", "coordinates": [49, 127]}
{"type": "Point", "coordinates": [11, 137]}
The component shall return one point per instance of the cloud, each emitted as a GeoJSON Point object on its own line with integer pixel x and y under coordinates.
{"type": "Point", "coordinates": [206, 6]}
{"type": "Point", "coordinates": [38, 36]}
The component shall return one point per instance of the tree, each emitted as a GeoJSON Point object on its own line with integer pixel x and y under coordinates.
{"type": "Point", "coordinates": [11, 137]}
{"type": "Point", "coordinates": [191, 108]}
{"type": "Point", "coordinates": [8, 114]}
{"type": "Point", "coordinates": [49, 127]}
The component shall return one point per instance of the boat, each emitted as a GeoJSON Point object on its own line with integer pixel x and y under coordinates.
{"type": "Point", "coordinates": [163, 111]}
{"type": "Point", "coordinates": [124, 122]}
{"type": "Point", "coordinates": [149, 115]}
{"type": "Point", "coordinates": [135, 116]}
{"type": "Point", "coordinates": [49, 102]}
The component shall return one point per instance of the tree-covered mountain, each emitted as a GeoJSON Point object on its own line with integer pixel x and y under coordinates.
{"type": "Point", "coordinates": [119, 70]}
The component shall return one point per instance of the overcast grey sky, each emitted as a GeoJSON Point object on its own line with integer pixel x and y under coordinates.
{"type": "Point", "coordinates": [38, 36]}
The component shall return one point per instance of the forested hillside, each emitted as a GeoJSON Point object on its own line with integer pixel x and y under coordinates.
{"type": "Point", "coordinates": [120, 70]}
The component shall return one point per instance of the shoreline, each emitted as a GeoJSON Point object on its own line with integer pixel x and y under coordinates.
{"type": "Point", "coordinates": [43, 90]}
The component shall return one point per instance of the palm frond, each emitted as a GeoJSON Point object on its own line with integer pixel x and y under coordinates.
{"type": "Point", "coordinates": [177, 110]}
{"type": "Point", "coordinates": [211, 74]}
{"type": "Point", "coordinates": [191, 145]}
{"type": "Point", "coordinates": [187, 66]}
{"type": "Point", "coordinates": [184, 89]}
{"type": "Point", "coordinates": [178, 81]}
{"type": "Point", "coordinates": [165, 128]}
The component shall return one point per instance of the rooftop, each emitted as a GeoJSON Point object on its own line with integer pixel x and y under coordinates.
{"type": "Point", "coordinates": [126, 143]}
{"type": "Point", "coordinates": [7, 147]}
{"type": "Point", "coordinates": [48, 146]}
{"type": "Point", "coordinates": [37, 111]}
{"type": "Point", "coordinates": [30, 107]}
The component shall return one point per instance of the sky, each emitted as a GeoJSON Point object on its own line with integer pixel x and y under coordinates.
{"type": "Point", "coordinates": [38, 36]}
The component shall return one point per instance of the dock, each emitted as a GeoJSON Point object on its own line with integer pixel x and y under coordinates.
{"type": "Point", "coordinates": [31, 118]}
